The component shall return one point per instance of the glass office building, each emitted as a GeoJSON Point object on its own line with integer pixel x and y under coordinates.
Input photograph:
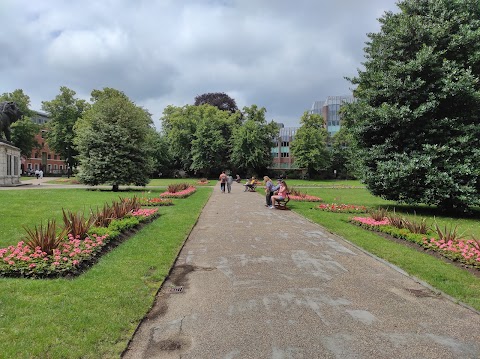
{"type": "Point", "coordinates": [330, 111]}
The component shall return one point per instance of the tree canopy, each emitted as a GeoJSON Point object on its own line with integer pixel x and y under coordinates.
{"type": "Point", "coordinates": [309, 146]}
{"type": "Point", "coordinates": [64, 111]}
{"type": "Point", "coordinates": [112, 139]}
{"type": "Point", "coordinates": [253, 140]}
{"type": "Point", "coordinates": [416, 118]}
{"type": "Point", "coordinates": [219, 100]}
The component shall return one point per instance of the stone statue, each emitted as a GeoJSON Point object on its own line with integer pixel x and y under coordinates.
{"type": "Point", "coordinates": [9, 113]}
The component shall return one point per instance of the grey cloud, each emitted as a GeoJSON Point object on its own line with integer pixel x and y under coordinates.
{"type": "Point", "coordinates": [273, 53]}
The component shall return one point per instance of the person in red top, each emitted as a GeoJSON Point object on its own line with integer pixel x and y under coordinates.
{"type": "Point", "coordinates": [282, 193]}
{"type": "Point", "coordinates": [223, 181]}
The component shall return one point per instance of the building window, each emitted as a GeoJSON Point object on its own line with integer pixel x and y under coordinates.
{"type": "Point", "coordinates": [61, 167]}
{"type": "Point", "coordinates": [49, 156]}
{"type": "Point", "coordinates": [285, 154]}
{"type": "Point", "coordinates": [36, 166]}
{"type": "Point", "coordinates": [285, 144]}
{"type": "Point", "coordinates": [29, 166]}
{"type": "Point", "coordinates": [49, 168]}
{"type": "Point", "coordinates": [54, 157]}
{"type": "Point", "coordinates": [36, 154]}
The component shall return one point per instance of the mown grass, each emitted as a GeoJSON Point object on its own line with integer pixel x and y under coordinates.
{"type": "Point", "coordinates": [156, 182]}
{"type": "Point", "coordinates": [93, 315]}
{"type": "Point", "coordinates": [446, 277]}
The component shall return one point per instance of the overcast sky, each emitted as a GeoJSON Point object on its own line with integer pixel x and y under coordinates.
{"type": "Point", "coordinates": [278, 54]}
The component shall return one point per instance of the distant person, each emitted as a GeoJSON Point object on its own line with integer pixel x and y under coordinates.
{"type": "Point", "coordinates": [282, 193]}
{"type": "Point", "coordinates": [268, 190]}
{"type": "Point", "coordinates": [223, 181]}
{"type": "Point", "coordinates": [40, 173]}
{"type": "Point", "coordinates": [250, 185]}
{"type": "Point", "coordinates": [238, 179]}
{"type": "Point", "coordinates": [37, 173]}
{"type": "Point", "coordinates": [229, 183]}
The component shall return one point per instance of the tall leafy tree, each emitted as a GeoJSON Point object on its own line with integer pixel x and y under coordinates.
{"type": "Point", "coordinates": [64, 111]}
{"type": "Point", "coordinates": [252, 141]}
{"type": "Point", "coordinates": [179, 125]}
{"type": "Point", "coordinates": [112, 141]}
{"type": "Point", "coordinates": [416, 120]}
{"type": "Point", "coordinates": [23, 135]}
{"type": "Point", "coordinates": [344, 157]}
{"type": "Point", "coordinates": [309, 146]}
{"type": "Point", "coordinates": [219, 100]}
{"type": "Point", "coordinates": [210, 152]}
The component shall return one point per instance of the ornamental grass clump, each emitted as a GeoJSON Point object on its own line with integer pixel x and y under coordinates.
{"type": "Point", "coordinates": [378, 214]}
{"type": "Point", "coordinates": [177, 187]}
{"type": "Point", "coordinates": [182, 190]}
{"type": "Point", "coordinates": [45, 239]}
{"type": "Point", "coordinates": [412, 225]}
{"type": "Point", "coordinates": [77, 224]}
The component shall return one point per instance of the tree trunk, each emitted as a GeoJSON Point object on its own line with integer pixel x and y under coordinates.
{"type": "Point", "coordinates": [115, 188]}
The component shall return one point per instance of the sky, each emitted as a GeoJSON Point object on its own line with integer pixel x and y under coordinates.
{"type": "Point", "coordinates": [278, 54]}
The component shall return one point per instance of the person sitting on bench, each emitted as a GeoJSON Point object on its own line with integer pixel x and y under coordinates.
{"type": "Point", "coordinates": [250, 185]}
{"type": "Point", "coordinates": [281, 195]}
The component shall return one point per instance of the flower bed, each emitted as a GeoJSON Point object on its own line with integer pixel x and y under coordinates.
{"type": "Point", "coordinates": [342, 208]}
{"type": "Point", "coordinates": [304, 198]}
{"type": "Point", "coordinates": [180, 194]}
{"type": "Point", "coordinates": [155, 201]}
{"type": "Point", "coordinates": [461, 250]}
{"type": "Point", "coordinates": [72, 254]}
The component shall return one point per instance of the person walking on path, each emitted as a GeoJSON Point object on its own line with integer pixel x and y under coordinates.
{"type": "Point", "coordinates": [223, 181]}
{"type": "Point", "coordinates": [268, 190]}
{"type": "Point", "coordinates": [229, 183]}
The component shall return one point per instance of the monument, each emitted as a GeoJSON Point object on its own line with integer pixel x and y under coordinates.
{"type": "Point", "coordinates": [9, 154]}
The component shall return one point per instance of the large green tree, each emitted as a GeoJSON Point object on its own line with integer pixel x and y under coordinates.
{"type": "Point", "coordinates": [64, 111]}
{"type": "Point", "coordinates": [416, 119]}
{"type": "Point", "coordinates": [219, 100]}
{"type": "Point", "coordinates": [112, 139]}
{"type": "Point", "coordinates": [210, 150]}
{"type": "Point", "coordinates": [309, 147]}
{"type": "Point", "coordinates": [23, 136]}
{"type": "Point", "coordinates": [252, 141]}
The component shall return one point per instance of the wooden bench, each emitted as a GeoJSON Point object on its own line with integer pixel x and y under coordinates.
{"type": "Point", "coordinates": [283, 203]}
{"type": "Point", "coordinates": [250, 189]}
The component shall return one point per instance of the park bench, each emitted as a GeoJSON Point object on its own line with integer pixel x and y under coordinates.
{"type": "Point", "coordinates": [283, 203]}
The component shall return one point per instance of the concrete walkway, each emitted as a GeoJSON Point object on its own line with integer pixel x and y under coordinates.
{"type": "Point", "coordinates": [252, 282]}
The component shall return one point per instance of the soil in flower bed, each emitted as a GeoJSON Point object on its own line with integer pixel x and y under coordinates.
{"type": "Point", "coordinates": [433, 253]}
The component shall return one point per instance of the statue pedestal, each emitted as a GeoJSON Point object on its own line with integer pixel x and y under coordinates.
{"type": "Point", "coordinates": [9, 164]}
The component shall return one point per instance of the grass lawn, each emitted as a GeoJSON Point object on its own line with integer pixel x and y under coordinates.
{"type": "Point", "coordinates": [156, 182]}
{"type": "Point", "coordinates": [454, 281]}
{"type": "Point", "coordinates": [95, 314]}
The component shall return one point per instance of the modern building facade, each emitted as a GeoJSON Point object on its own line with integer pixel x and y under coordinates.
{"type": "Point", "coordinates": [282, 158]}
{"type": "Point", "coordinates": [330, 111]}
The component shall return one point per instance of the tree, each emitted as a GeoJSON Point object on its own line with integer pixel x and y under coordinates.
{"type": "Point", "coordinates": [112, 141]}
{"type": "Point", "coordinates": [309, 146]}
{"type": "Point", "coordinates": [218, 99]}
{"type": "Point", "coordinates": [64, 111]}
{"type": "Point", "coordinates": [179, 125]}
{"type": "Point", "coordinates": [23, 135]}
{"type": "Point", "coordinates": [209, 152]}
{"type": "Point", "coordinates": [416, 118]}
{"type": "Point", "coordinates": [344, 158]}
{"type": "Point", "coordinates": [252, 141]}
{"type": "Point", "coordinates": [21, 99]}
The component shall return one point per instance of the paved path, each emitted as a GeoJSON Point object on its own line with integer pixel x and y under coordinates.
{"type": "Point", "coordinates": [260, 283]}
